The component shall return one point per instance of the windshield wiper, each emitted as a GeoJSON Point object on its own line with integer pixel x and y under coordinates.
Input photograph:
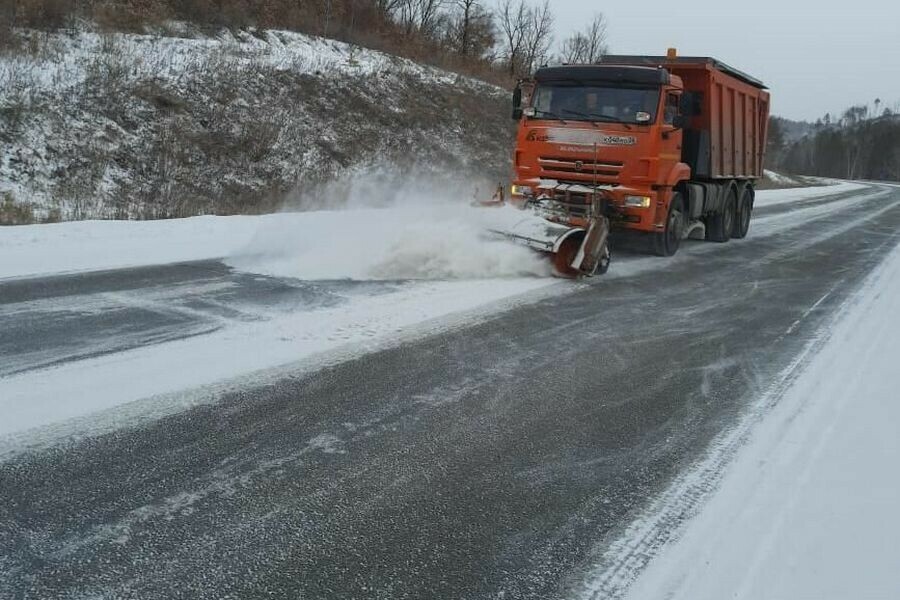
{"type": "Point", "coordinates": [611, 119]}
{"type": "Point", "coordinates": [603, 116]}
{"type": "Point", "coordinates": [580, 114]}
{"type": "Point", "coordinates": [547, 113]}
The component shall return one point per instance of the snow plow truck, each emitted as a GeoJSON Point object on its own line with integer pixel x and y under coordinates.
{"type": "Point", "coordinates": [668, 146]}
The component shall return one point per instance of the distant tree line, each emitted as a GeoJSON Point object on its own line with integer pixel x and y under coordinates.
{"type": "Point", "coordinates": [503, 43]}
{"type": "Point", "coordinates": [863, 142]}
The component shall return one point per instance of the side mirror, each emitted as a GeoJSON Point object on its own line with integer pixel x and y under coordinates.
{"type": "Point", "coordinates": [517, 103]}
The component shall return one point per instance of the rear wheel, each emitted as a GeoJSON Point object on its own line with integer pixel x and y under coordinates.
{"type": "Point", "coordinates": [745, 207]}
{"type": "Point", "coordinates": [720, 225]}
{"type": "Point", "coordinates": [666, 243]}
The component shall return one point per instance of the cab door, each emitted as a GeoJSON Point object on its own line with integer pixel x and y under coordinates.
{"type": "Point", "coordinates": [672, 122]}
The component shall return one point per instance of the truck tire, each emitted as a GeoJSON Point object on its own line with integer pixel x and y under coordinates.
{"type": "Point", "coordinates": [666, 243]}
{"type": "Point", "coordinates": [745, 208]}
{"type": "Point", "coordinates": [719, 225]}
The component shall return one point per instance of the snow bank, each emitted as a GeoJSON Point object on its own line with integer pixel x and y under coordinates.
{"type": "Point", "coordinates": [771, 197]}
{"type": "Point", "coordinates": [412, 234]}
{"type": "Point", "coordinates": [449, 242]}
{"type": "Point", "coordinates": [809, 507]}
{"type": "Point", "coordinates": [52, 249]}
{"type": "Point", "coordinates": [782, 180]}
{"type": "Point", "coordinates": [444, 241]}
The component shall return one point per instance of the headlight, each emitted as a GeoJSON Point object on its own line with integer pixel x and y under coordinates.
{"type": "Point", "coordinates": [637, 201]}
{"type": "Point", "coordinates": [520, 190]}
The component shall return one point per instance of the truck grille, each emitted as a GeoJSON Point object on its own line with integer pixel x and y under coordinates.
{"type": "Point", "coordinates": [582, 169]}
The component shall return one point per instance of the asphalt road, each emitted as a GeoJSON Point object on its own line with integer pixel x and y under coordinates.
{"type": "Point", "coordinates": [490, 461]}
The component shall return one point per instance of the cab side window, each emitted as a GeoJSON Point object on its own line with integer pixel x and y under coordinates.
{"type": "Point", "coordinates": [671, 110]}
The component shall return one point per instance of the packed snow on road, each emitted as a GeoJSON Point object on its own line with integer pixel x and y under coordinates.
{"type": "Point", "coordinates": [807, 508]}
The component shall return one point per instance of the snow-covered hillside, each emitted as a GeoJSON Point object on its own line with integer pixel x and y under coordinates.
{"type": "Point", "coordinates": [140, 126]}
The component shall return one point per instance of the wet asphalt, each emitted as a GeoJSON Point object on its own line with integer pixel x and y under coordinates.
{"type": "Point", "coordinates": [488, 461]}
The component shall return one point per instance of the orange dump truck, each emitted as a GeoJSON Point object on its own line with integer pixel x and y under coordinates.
{"type": "Point", "coordinates": [666, 145]}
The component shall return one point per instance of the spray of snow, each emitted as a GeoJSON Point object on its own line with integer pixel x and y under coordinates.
{"type": "Point", "coordinates": [389, 229]}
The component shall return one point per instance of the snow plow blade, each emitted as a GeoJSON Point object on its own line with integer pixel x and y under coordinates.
{"type": "Point", "coordinates": [576, 251]}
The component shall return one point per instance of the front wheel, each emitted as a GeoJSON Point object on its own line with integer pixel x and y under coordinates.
{"type": "Point", "coordinates": [666, 242]}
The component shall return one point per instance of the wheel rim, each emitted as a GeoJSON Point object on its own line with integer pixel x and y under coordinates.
{"type": "Point", "coordinates": [745, 216]}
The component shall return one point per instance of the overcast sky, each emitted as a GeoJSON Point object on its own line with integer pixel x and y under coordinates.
{"type": "Point", "coordinates": [815, 56]}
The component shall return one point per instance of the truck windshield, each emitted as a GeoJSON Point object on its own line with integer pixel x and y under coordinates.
{"type": "Point", "coordinates": [596, 103]}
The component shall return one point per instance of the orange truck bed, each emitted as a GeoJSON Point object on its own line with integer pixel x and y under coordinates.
{"type": "Point", "coordinates": [727, 138]}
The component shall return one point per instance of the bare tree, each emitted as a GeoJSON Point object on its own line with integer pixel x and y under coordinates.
{"type": "Point", "coordinates": [388, 8]}
{"type": "Point", "coordinates": [586, 46]}
{"type": "Point", "coordinates": [464, 26]}
{"type": "Point", "coordinates": [422, 16]}
{"type": "Point", "coordinates": [471, 30]}
{"type": "Point", "coordinates": [527, 34]}
{"type": "Point", "coordinates": [538, 37]}
{"type": "Point", "coordinates": [325, 8]}
{"type": "Point", "coordinates": [513, 17]}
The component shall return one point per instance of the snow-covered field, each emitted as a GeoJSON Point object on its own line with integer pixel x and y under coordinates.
{"type": "Point", "coordinates": [808, 508]}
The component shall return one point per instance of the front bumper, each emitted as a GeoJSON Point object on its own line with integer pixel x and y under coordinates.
{"type": "Point", "coordinates": [571, 203]}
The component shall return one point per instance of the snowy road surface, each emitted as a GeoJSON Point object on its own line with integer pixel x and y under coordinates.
{"type": "Point", "coordinates": [501, 452]}
{"type": "Point", "coordinates": [809, 508]}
